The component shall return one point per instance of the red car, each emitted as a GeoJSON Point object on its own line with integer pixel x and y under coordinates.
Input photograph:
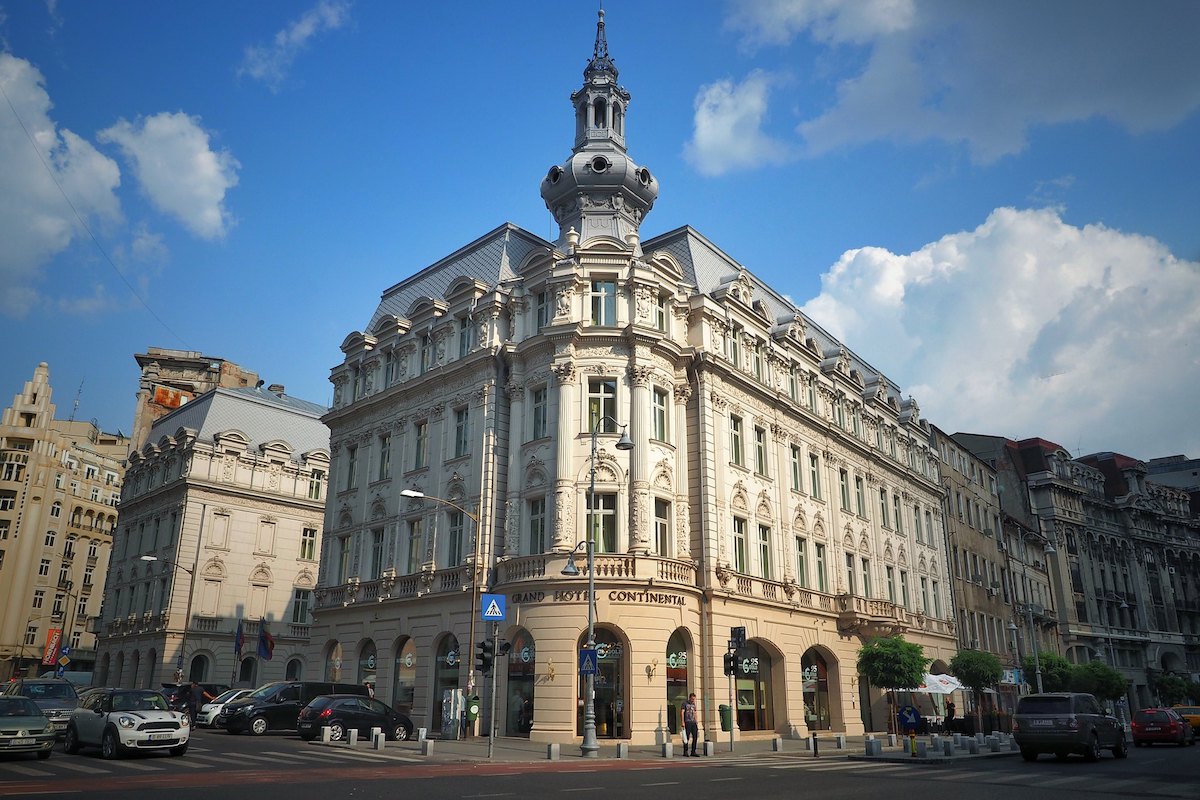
{"type": "Point", "coordinates": [1152, 725]}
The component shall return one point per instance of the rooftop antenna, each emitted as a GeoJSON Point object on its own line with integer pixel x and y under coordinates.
{"type": "Point", "coordinates": [75, 405]}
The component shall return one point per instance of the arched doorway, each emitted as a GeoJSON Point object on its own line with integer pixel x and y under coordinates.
{"type": "Point", "coordinates": [677, 657]}
{"type": "Point", "coordinates": [610, 687]}
{"type": "Point", "coordinates": [816, 690]}
{"type": "Point", "coordinates": [404, 686]}
{"type": "Point", "coordinates": [445, 677]}
{"type": "Point", "coordinates": [366, 665]}
{"type": "Point", "coordinates": [294, 671]}
{"type": "Point", "coordinates": [333, 662]}
{"type": "Point", "coordinates": [198, 669]}
{"type": "Point", "coordinates": [752, 689]}
{"type": "Point", "coordinates": [521, 660]}
{"type": "Point", "coordinates": [248, 672]}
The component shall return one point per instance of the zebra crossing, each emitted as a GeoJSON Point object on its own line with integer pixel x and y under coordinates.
{"type": "Point", "coordinates": [62, 765]}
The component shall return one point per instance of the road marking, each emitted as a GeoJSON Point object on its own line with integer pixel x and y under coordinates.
{"type": "Point", "coordinates": [1016, 776]}
{"type": "Point", "coordinates": [141, 767]}
{"type": "Point", "coordinates": [1118, 787]}
{"type": "Point", "coordinates": [30, 771]}
{"type": "Point", "coordinates": [714, 780]}
{"type": "Point", "coordinates": [584, 789]}
{"type": "Point", "coordinates": [58, 762]}
{"type": "Point", "coordinates": [1064, 781]}
{"type": "Point", "coordinates": [664, 783]}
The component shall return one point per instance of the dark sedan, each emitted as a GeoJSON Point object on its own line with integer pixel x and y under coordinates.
{"type": "Point", "coordinates": [346, 712]}
{"type": "Point", "coordinates": [1152, 725]}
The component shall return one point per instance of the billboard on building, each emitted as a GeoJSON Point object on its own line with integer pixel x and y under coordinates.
{"type": "Point", "coordinates": [53, 641]}
{"type": "Point", "coordinates": [167, 397]}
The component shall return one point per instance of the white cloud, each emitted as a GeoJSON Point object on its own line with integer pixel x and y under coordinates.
{"type": "Point", "coordinates": [985, 74]}
{"type": "Point", "coordinates": [1028, 326]}
{"type": "Point", "coordinates": [178, 170]}
{"type": "Point", "coordinates": [270, 63]}
{"type": "Point", "coordinates": [36, 220]}
{"type": "Point", "coordinates": [728, 131]}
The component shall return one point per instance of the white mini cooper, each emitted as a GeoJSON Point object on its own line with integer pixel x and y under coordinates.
{"type": "Point", "coordinates": [122, 720]}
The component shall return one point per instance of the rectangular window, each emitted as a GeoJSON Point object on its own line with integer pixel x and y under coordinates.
{"type": "Point", "coordinates": [543, 312]}
{"type": "Point", "coordinates": [385, 457]}
{"type": "Point", "coordinates": [351, 466]}
{"type": "Point", "coordinates": [937, 601]}
{"type": "Point", "coordinates": [897, 513]}
{"type": "Point", "coordinates": [802, 562]}
{"type": "Point", "coordinates": [929, 524]}
{"type": "Point", "coordinates": [602, 405]}
{"type": "Point", "coordinates": [797, 481]}
{"type": "Point", "coordinates": [454, 543]}
{"type": "Point", "coordinates": [764, 552]}
{"type": "Point", "coordinates": [866, 576]}
{"type": "Point", "coordinates": [427, 353]}
{"type": "Point", "coordinates": [855, 421]}
{"type": "Point", "coordinates": [793, 386]}
{"type": "Point", "coordinates": [851, 582]}
{"type": "Point", "coordinates": [39, 598]}
{"type": "Point", "coordinates": [343, 559]}
{"type": "Point", "coordinates": [420, 444]}
{"type": "Point", "coordinates": [757, 356]}
{"type": "Point", "coordinates": [822, 580]}
{"type": "Point", "coordinates": [462, 432]}
{"type": "Point", "coordinates": [917, 531]}
{"type": "Point", "coordinates": [839, 411]}
{"type": "Point", "coordinates": [760, 451]}
{"type": "Point", "coordinates": [537, 525]}
{"type": "Point", "coordinates": [415, 554]}
{"type": "Point", "coordinates": [49, 540]}
{"type": "Point", "coordinates": [860, 499]}
{"type": "Point", "coordinates": [739, 544]}
{"type": "Point", "coordinates": [604, 303]}
{"type": "Point", "coordinates": [659, 413]}
{"type": "Point", "coordinates": [308, 544]}
{"type": "Point", "coordinates": [316, 479]}
{"type": "Point", "coordinates": [924, 595]}
{"type": "Point", "coordinates": [44, 567]}
{"type": "Point", "coordinates": [466, 336]}
{"type": "Point", "coordinates": [662, 527]}
{"type": "Point", "coordinates": [300, 603]}
{"type": "Point", "coordinates": [735, 440]}
{"type": "Point", "coordinates": [883, 508]}
{"type": "Point", "coordinates": [844, 488]}
{"type": "Point", "coordinates": [660, 313]}
{"type": "Point", "coordinates": [88, 574]}
{"type": "Point", "coordinates": [890, 573]}
{"type": "Point", "coordinates": [376, 554]}
{"type": "Point", "coordinates": [603, 522]}
{"type": "Point", "coordinates": [735, 345]}
{"type": "Point", "coordinates": [389, 368]}
{"type": "Point", "coordinates": [540, 405]}
{"type": "Point", "coordinates": [904, 589]}
{"type": "Point", "coordinates": [812, 393]}
{"type": "Point", "coordinates": [8, 501]}
{"type": "Point", "coordinates": [31, 633]}
{"type": "Point", "coordinates": [814, 474]}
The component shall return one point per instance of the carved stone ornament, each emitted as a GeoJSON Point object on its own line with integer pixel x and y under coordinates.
{"type": "Point", "coordinates": [724, 574]}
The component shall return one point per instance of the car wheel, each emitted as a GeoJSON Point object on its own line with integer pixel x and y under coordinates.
{"type": "Point", "coordinates": [180, 750]}
{"type": "Point", "coordinates": [337, 731]}
{"type": "Point", "coordinates": [400, 733]}
{"type": "Point", "coordinates": [258, 726]}
{"type": "Point", "coordinates": [1029, 755]}
{"type": "Point", "coordinates": [110, 745]}
{"type": "Point", "coordinates": [1120, 751]}
{"type": "Point", "coordinates": [43, 755]}
{"type": "Point", "coordinates": [71, 742]}
{"type": "Point", "coordinates": [1092, 753]}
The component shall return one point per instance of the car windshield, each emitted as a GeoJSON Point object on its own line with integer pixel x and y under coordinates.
{"type": "Point", "coordinates": [139, 701]}
{"type": "Point", "coordinates": [226, 696]}
{"type": "Point", "coordinates": [18, 707]}
{"type": "Point", "coordinates": [266, 691]}
{"type": "Point", "coordinates": [1044, 705]}
{"type": "Point", "coordinates": [49, 691]}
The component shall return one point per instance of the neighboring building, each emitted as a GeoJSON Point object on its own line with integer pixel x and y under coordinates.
{"type": "Point", "coordinates": [171, 378]}
{"type": "Point", "coordinates": [218, 527]}
{"type": "Point", "coordinates": [778, 482]}
{"type": "Point", "coordinates": [59, 485]}
{"type": "Point", "coordinates": [980, 560]}
{"type": "Point", "coordinates": [1178, 471]}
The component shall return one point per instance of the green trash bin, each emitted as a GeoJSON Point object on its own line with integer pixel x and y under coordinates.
{"type": "Point", "coordinates": [472, 708]}
{"type": "Point", "coordinates": [726, 717]}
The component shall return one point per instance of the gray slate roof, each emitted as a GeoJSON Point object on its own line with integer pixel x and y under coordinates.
{"type": "Point", "coordinates": [263, 416]}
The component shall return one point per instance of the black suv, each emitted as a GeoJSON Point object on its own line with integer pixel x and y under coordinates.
{"type": "Point", "coordinates": [54, 696]}
{"type": "Point", "coordinates": [1066, 722]}
{"type": "Point", "coordinates": [276, 706]}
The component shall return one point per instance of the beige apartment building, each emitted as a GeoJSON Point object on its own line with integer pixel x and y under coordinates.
{"type": "Point", "coordinates": [60, 481]}
{"type": "Point", "coordinates": [480, 433]}
{"type": "Point", "coordinates": [219, 525]}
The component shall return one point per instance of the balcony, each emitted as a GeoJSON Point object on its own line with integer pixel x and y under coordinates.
{"type": "Point", "coordinates": [866, 617]}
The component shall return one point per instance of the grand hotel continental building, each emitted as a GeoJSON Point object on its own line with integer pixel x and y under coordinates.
{"type": "Point", "coordinates": [777, 481]}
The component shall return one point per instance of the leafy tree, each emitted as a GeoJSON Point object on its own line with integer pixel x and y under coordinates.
{"type": "Point", "coordinates": [891, 663]}
{"type": "Point", "coordinates": [1171, 689]}
{"type": "Point", "coordinates": [1099, 679]}
{"type": "Point", "coordinates": [976, 670]}
{"type": "Point", "coordinates": [1056, 672]}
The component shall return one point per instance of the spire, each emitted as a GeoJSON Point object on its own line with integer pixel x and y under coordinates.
{"type": "Point", "coordinates": [600, 61]}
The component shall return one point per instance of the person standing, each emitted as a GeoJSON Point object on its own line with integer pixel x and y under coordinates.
{"type": "Point", "coordinates": [691, 724]}
{"type": "Point", "coordinates": [950, 715]}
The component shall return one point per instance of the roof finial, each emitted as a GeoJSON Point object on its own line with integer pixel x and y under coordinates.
{"type": "Point", "coordinates": [600, 61]}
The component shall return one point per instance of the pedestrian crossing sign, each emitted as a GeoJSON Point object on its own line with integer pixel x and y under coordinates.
{"type": "Point", "coordinates": [492, 608]}
{"type": "Point", "coordinates": [587, 661]}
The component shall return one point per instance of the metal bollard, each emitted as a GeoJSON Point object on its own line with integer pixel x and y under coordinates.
{"type": "Point", "coordinates": [378, 740]}
{"type": "Point", "coordinates": [352, 737]}
{"type": "Point", "coordinates": [816, 752]}
{"type": "Point", "coordinates": [622, 749]}
{"type": "Point", "coordinates": [552, 751]}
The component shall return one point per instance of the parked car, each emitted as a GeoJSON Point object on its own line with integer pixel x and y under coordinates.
{"type": "Point", "coordinates": [1152, 725]}
{"type": "Point", "coordinates": [118, 720]}
{"type": "Point", "coordinates": [276, 706]}
{"type": "Point", "coordinates": [24, 728]}
{"type": "Point", "coordinates": [177, 694]}
{"type": "Point", "coordinates": [80, 679]}
{"type": "Point", "coordinates": [56, 698]}
{"type": "Point", "coordinates": [1191, 714]}
{"type": "Point", "coordinates": [1066, 722]}
{"type": "Point", "coordinates": [207, 716]}
{"type": "Point", "coordinates": [347, 712]}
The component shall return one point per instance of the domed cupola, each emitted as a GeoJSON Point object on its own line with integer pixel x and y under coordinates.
{"type": "Point", "coordinates": [599, 191]}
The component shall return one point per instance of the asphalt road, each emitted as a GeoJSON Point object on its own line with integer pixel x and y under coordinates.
{"type": "Point", "coordinates": [281, 767]}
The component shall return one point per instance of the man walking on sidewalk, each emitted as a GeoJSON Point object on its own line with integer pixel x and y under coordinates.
{"type": "Point", "coordinates": [691, 724]}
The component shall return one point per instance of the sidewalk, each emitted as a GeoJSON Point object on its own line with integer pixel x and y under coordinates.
{"type": "Point", "coordinates": [515, 750]}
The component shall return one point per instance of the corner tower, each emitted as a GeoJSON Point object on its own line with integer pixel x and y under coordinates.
{"type": "Point", "coordinates": [599, 192]}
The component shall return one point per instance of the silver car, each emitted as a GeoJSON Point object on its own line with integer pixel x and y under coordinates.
{"type": "Point", "coordinates": [1064, 723]}
{"type": "Point", "coordinates": [122, 720]}
{"type": "Point", "coordinates": [54, 696]}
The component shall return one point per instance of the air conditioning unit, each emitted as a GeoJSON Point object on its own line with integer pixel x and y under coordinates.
{"type": "Point", "coordinates": [976, 578]}
{"type": "Point", "coordinates": [992, 592]}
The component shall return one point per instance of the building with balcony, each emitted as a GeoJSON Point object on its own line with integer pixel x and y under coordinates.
{"type": "Point", "coordinates": [60, 481]}
{"type": "Point", "coordinates": [777, 482]}
{"type": "Point", "coordinates": [219, 524]}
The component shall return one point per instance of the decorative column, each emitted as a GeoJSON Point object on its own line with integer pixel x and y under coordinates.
{"type": "Point", "coordinates": [517, 419]}
{"type": "Point", "coordinates": [563, 537]}
{"type": "Point", "coordinates": [683, 537]}
{"type": "Point", "coordinates": [639, 496]}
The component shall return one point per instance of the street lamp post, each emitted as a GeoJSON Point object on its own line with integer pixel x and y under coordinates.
{"type": "Point", "coordinates": [187, 614]}
{"type": "Point", "coordinates": [590, 747]}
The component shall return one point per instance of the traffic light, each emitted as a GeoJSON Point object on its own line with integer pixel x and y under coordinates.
{"type": "Point", "coordinates": [484, 654]}
{"type": "Point", "coordinates": [730, 663]}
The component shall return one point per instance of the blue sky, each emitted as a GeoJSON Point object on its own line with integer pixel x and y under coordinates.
{"type": "Point", "coordinates": [995, 204]}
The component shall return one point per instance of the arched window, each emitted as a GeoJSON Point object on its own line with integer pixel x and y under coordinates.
{"type": "Point", "coordinates": [294, 671]}
{"type": "Point", "coordinates": [248, 674]}
{"type": "Point", "coordinates": [600, 113]}
{"type": "Point", "coordinates": [618, 118]}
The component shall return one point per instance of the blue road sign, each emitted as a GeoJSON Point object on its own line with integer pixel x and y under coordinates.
{"type": "Point", "coordinates": [492, 607]}
{"type": "Point", "coordinates": [587, 661]}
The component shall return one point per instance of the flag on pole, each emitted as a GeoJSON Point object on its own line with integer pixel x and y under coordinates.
{"type": "Point", "coordinates": [238, 640]}
{"type": "Point", "coordinates": [266, 642]}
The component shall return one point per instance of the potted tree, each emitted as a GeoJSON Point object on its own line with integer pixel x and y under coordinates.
{"type": "Point", "coordinates": [892, 663]}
